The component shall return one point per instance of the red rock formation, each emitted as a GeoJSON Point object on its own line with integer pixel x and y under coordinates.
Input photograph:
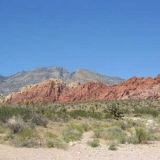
{"type": "Point", "coordinates": [56, 91]}
{"type": "Point", "coordinates": [47, 91]}
{"type": "Point", "coordinates": [84, 92]}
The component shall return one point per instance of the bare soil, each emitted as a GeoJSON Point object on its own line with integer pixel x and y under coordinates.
{"type": "Point", "coordinates": [81, 151]}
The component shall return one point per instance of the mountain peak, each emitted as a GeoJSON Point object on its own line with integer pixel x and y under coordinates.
{"type": "Point", "coordinates": [21, 79]}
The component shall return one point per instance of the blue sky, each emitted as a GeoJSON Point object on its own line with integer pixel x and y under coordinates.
{"type": "Point", "coordinates": [117, 38]}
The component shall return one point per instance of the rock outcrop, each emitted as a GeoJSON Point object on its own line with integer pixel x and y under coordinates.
{"type": "Point", "coordinates": [47, 92]}
{"type": "Point", "coordinates": [52, 91]}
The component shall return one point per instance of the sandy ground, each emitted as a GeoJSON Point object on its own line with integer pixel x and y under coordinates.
{"type": "Point", "coordinates": [81, 151]}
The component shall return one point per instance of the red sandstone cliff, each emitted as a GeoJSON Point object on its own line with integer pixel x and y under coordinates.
{"type": "Point", "coordinates": [56, 91]}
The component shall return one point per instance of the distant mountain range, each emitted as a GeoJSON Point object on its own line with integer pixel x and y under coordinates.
{"type": "Point", "coordinates": [15, 82]}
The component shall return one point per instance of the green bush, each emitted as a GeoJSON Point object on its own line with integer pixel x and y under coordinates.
{"type": "Point", "coordinates": [98, 132]}
{"type": "Point", "coordinates": [113, 147]}
{"type": "Point", "coordinates": [80, 127]}
{"type": "Point", "coordinates": [39, 120]}
{"type": "Point", "coordinates": [132, 139]}
{"type": "Point", "coordinates": [114, 111]}
{"type": "Point", "coordinates": [147, 111]}
{"type": "Point", "coordinates": [94, 143]}
{"type": "Point", "coordinates": [114, 133]}
{"type": "Point", "coordinates": [26, 138]}
{"type": "Point", "coordinates": [142, 135]}
{"type": "Point", "coordinates": [70, 135]}
{"type": "Point", "coordinates": [2, 129]}
{"type": "Point", "coordinates": [82, 113]}
{"type": "Point", "coordinates": [9, 111]}
{"type": "Point", "coordinates": [56, 143]}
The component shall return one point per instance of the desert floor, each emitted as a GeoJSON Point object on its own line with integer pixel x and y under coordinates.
{"type": "Point", "coordinates": [81, 151]}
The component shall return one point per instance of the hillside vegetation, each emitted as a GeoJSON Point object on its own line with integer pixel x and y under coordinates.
{"type": "Point", "coordinates": [59, 126]}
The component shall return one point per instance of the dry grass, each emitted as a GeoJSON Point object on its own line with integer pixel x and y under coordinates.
{"type": "Point", "coordinates": [56, 125]}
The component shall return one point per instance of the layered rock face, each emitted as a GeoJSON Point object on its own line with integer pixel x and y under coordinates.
{"type": "Point", "coordinates": [47, 91]}
{"type": "Point", "coordinates": [52, 91]}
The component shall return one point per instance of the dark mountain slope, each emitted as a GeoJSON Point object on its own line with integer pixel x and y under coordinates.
{"type": "Point", "coordinates": [21, 79]}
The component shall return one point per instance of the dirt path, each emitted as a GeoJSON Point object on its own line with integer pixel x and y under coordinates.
{"type": "Point", "coordinates": [81, 151]}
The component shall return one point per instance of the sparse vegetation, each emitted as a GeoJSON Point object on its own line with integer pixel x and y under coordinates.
{"type": "Point", "coordinates": [56, 143]}
{"type": "Point", "coordinates": [94, 143]}
{"type": "Point", "coordinates": [142, 135]}
{"type": "Point", "coordinates": [26, 138]}
{"type": "Point", "coordinates": [113, 146]}
{"type": "Point", "coordinates": [15, 124]}
{"type": "Point", "coordinates": [71, 134]}
{"type": "Point", "coordinates": [39, 120]}
{"type": "Point", "coordinates": [55, 125]}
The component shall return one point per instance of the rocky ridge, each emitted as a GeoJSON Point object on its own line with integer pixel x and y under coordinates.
{"type": "Point", "coordinates": [57, 91]}
{"type": "Point", "coordinates": [15, 82]}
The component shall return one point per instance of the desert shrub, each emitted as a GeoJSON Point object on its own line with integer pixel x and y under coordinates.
{"type": "Point", "coordinates": [128, 123]}
{"type": "Point", "coordinates": [147, 111]}
{"type": "Point", "coordinates": [82, 113]}
{"type": "Point", "coordinates": [123, 125]}
{"type": "Point", "coordinates": [2, 128]}
{"type": "Point", "coordinates": [39, 120]}
{"type": "Point", "coordinates": [132, 139]}
{"type": "Point", "coordinates": [86, 126]}
{"type": "Point", "coordinates": [78, 126]}
{"type": "Point", "coordinates": [114, 111]}
{"type": "Point", "coordinates": [7, 112]}
{"type": "Point", "coordinates": [29, 143]}
{"type": "Point", "coordinates": [51, 135]}
{"type": "Point", "coordinates": [114, 133]}
{"type": "Point", "coordinates": [9, 137]}
{"type": "Point", "coordinates": [56, 143]}
{"type": "Point", "coordinates": [78, 113]}
{"type": "Point", "coordinates": [63, 115]}
{"type": "Point", "coordinates": [56, 113]}
{"type": "Point", "coordinates": [94, 143]}
{"type": "Point", "coordinates": [113, 146]}
{"type": "Point", "coordinates": [155, 136]}
{"type": "Point", "coordinates": [53, 141]}
{"type": "Point", "coordinates": [71, 135]}
{"type": "Point", "coordinates": [16, 124]}
{"type": "Point", "coordinates": [98, 132]}
{"type": "Point", "coordinates": [142, 135]}
{"type": "Point", "coordinates": [26, 138]}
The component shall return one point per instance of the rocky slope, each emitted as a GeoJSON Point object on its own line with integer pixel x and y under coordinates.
{"type": "Point", "coordinates": [57, 91]}
{"type": "Point", "coordinates": [2, 79]}
{"type": "Point", "coordinates": [21, 79]}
